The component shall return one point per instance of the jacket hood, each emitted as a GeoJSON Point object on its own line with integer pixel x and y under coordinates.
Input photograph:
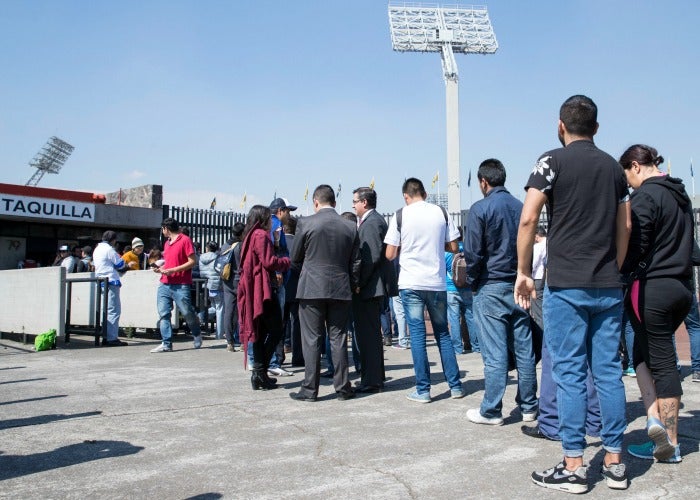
{"type": "Point", "coordinates": [675, 186]}
{"type": "Point", "coordinates": [207, 258]}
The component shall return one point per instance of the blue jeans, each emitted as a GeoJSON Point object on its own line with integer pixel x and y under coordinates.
{"type": "Point", "coordinates": [504, 326]}
{"type": "Point", "coordinates": [460, 304]}
{"type": "Point", "coordinates": [278, 355]}
{"type": "Point", "coordinates": [114, 312]}
{"type": "Point", "coordinates": [400, 328]}
{"type": "Point", "coordinates": [692, 324]}
{"type": "Point", "coordinates": [217, 302]}
{"type": "Point", "coordinates": [180, 295]}
{"type": "Point", "coordinates": [414, 303]}
{"type": "Point", "coordinates": [628, 339]}
{"type": "Point", "coordinates": [548, 418]}
{"type": "Point", "coordinates": [581, 329]}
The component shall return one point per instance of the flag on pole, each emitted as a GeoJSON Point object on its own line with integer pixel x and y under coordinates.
{"type": "Point", "coordinates": [213, 204]}
{"type": "Point", "coordinates": [371, 184]}
{"type": "Point", "coordinates": [306, 193]}
{"type": "Point", "coordinates": [337, 194]}
{"type": "Point", "coordinates": [436, 178]}
{"type": "Point", "coordinates": [469, 179]}
{"type": "Point", "coordinates": [244, 199]}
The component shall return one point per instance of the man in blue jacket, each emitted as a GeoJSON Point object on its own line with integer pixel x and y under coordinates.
{"type": "Point", "coordinates": [490, 249]}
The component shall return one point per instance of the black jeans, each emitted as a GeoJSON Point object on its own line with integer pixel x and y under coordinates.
{"type": "Point", "coordinates": [663, 304]}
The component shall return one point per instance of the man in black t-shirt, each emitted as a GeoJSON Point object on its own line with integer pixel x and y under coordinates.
{"type": "Point", "coordinates": [589, 225]}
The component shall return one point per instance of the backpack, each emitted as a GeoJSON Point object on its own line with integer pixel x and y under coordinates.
{"type": "Point", "coordinates": [223, 263]}
{"type": "Point", "coordinates": [459, 270]}
{"type": "Point", "coordinates": [399, 217]}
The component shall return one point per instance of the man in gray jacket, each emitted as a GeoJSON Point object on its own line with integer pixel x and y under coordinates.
{"type": "Point", "coordinates": [326, 248]}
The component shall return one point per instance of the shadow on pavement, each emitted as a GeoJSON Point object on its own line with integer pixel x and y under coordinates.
{"type": "Point", "coordinates": [43, 419]}
{"type": "Point", "coordinates": [12, 466]}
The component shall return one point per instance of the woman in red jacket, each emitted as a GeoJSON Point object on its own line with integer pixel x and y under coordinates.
{"type": "Point", "coordinates": [259, 313]}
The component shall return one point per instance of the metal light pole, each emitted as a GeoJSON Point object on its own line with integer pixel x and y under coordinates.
{"type": "Point", "coordinates": [431, 28]}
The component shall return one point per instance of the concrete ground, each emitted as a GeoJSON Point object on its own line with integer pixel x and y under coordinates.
{"type": "Point", "coordinates": [85, 422]}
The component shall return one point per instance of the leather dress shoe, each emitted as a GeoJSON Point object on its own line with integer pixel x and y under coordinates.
{"type": "Point", "coordinates": [534, 432]}
{"type": "Point", "coordinates": [368, 389]}
{"type": "Point", "coordinates": [345, 395]}
{"type": "Point", "coordinates": [298, 396]}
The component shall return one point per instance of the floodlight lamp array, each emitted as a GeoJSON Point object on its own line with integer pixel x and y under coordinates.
{"type": "Point", "coordinates": [428, 28]}
{"type": "Point", "coordinates": [52, 156]}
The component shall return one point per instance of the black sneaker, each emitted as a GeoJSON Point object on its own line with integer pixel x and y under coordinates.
{"type": "Point", "coordinates": [615, 476]}
{"type": "Point", "coordinates": [558, 478]}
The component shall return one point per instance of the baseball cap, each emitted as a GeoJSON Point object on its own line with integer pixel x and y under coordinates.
{"type": "Point", "coordinates": [64, 248]}
{"type": "Point", "coordinates": [279, 203]}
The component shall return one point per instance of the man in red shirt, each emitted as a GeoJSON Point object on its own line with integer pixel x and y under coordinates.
{"type": "Point", "coordinates": [176, 279]}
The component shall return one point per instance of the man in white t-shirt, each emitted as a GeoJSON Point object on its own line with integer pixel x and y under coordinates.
{"type": "Point", "coordinates": [107, 264]}
{"type": "Point", "coordinates": [423, 232]}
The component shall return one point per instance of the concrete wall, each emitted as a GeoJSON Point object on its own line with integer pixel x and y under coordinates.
{"type": "Point", "coordinates": [116, 216]}
{"type": "Point", "coordinates": [33, 300]}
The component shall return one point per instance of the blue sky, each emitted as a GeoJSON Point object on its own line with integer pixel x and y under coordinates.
{"type": "Point", "coordinates": [221, 98]}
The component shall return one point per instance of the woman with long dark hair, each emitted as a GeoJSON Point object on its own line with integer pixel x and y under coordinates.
{"type": "Point", "coordinates": [659, 264]}
{"type": "Point", "coordinates": [260, 317]}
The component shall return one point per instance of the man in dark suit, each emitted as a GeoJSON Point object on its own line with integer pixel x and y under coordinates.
{"type": "Point", "coordinates": [327, 249]}
{"type": "Point", "coordinates": [370, 295]}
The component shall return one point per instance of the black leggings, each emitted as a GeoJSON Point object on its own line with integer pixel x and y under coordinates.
{"type": "Point", "coordinates": [663, 304]}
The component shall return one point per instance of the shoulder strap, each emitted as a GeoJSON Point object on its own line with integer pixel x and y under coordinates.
{"type": "Point", "coordinates": [398, 219]}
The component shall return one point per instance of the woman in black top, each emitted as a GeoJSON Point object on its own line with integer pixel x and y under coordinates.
{"type": "Point", "coordinates": [660, 266]}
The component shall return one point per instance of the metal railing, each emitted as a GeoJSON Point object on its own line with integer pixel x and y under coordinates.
{"type": "Point", "coordinates": [102, 293]}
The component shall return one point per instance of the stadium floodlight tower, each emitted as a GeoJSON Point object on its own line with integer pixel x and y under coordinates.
{"type": "Point", "coordinates": [50, 159]}
{"type": "Point", "coordinates": [446, 29]}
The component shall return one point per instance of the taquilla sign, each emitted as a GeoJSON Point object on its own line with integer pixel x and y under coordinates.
{"type": "Point", "coordinates": [46, 208]}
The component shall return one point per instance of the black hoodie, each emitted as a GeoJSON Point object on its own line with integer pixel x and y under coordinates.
{"type": "Point", "coordinates": [662, 230]}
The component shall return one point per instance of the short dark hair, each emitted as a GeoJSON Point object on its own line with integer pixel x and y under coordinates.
{"type": "Point", "coordinates": [367, 194]}
{"type": "Point", "coordinates": [349, 216]}
{"type": "Point", "coordinates": [642, 154]}
{"type": "Point", "coordinates": [579, 114]}
{"type": "Point", "coordinates": [290, 227]}
{"type": "Point", "coordinates": [413, 187]}
{"type": "Point", "coordinates": [541, 231]}
{"type": "Point", "coordinates": [324, 194]}
{"type": "Point", "coordinates": [237, 229]}
{"type": "Point", "coordinates": [493, 172]}
{"type": "Point", "coordinates": [109, 236]}
{"type": "Point", "coordinates": [212, 246]}
{"type": "Point", "coordinates": [170, 224]}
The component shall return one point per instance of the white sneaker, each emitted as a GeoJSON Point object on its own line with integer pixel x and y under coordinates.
{"type": "Point", "coordinates": [198, 342]}
{"type": "Point", "coordinates": [529, 417]}
{"type": "Point", "coordinates": [475, 416]}
{"type": "Point", "coordinates": [162, 348]}
{"type": "Point", "coordinates": [279, 372]}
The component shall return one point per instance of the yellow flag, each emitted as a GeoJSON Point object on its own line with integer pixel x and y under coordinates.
{"type": "Point", "coordinates": [371, 184]}
{"type": "Point", "coordinates": [435, 179]}
{"type": "Point", "coordinates": [306, 193]}
{"type": "Point", "coordinates": [244, 199]}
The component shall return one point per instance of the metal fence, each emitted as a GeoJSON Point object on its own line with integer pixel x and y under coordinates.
{"type": "Point", "coordinates": [205, 225]}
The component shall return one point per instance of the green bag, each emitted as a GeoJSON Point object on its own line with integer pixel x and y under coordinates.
{"type": "Point", "coordinates": [45, 341]}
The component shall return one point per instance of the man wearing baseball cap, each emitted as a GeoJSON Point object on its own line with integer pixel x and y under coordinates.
{"type": "Point", "coordinates": [67, 259]}
{"type": "Point", "coordinates": [281, 211]}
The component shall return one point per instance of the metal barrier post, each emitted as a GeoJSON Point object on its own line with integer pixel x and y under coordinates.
{"type": "Point", "coordinates": [69, 291]}
{"type": "Point", "coordinates": [105, 299]}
